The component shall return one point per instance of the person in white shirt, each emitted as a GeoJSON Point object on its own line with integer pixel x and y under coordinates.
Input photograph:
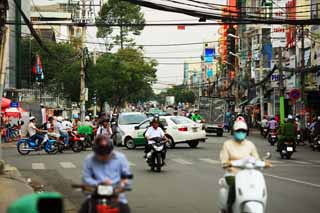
{"type": "Point", "coordinates": [33, 131]}
{"type": "Point", "coordinates": [154, 132]}
{"type": "Point", "coordinates": [104, 129]}
{"type": "Point", "coordinates": [62, 131]}
{"type": "Point", "coordinates": [51, 129]}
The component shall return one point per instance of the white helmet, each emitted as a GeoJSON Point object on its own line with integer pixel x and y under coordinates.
{"type": "Point", "coordinates": [290, 117]}
{"type": "Point", "coordinates": [60, 118]}
{"type": "Point", "coordinates": [240, 123]}
{"type": "Point", "coordinates": [32, 118]}
{"type": "Point", "coordinates": [87, 118]}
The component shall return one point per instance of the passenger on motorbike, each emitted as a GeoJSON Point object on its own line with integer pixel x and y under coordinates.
{"type": "Point", "coordinates": [264, 124]}
{"type": "Point", "coordinates": [50, 128]}
{"type": "Point", "coordinates": [237, 148]}
{"type": "Point", "coordinates": [287, 133]}
{"type": "Point", "coordinates": [34, 132]}
{"type": "Point", "coordinates": [106, 166]}
{"type": "Point", "coordinates": [152, 132]}
{"type": "Point", "coordinates": [272, 124]}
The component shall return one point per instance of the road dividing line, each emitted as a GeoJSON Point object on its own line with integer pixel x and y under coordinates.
{"type": "Point", "coordinates": [181, 161]}
{"type": "Point", "coordinates": [131, 164]}
{"type": "Point", "coordinates": [276, 161]}
{"type": "Point", "coordinates": [208, 160]}
{"type": "Point", "coordinates": [67, 165]}
{"type": "Point", "coordinates": [38, 166]}
{"type": "Point", "coordinates": [299, 162]}
{"type": "Point", "coordinates": [293, 180]}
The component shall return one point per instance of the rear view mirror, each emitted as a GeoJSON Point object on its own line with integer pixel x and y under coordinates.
{"type": "Point", "coordinates": [136, 127]}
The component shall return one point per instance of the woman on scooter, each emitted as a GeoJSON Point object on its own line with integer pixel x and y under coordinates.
{"type": "Point", "coordinates": [237, 148]}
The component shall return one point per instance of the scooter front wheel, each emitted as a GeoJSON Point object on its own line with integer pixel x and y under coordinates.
{"type": "Point", "coordinates": [77, 147]}
{"type": "Point", "coordinates": [158, 162]}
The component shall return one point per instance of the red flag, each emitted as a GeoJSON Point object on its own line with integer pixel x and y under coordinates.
{"type": "Point", "coordinates": [181, 27]}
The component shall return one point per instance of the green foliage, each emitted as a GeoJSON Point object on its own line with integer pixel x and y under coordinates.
{"type": "Point", "coordinates": [180, 93]}
{"type": "Point", "coordinates": [123, 76]}
{"type": "Point", "coordinates": [127, 15]}
{"type": "Point", "coordinates": [61, 67]}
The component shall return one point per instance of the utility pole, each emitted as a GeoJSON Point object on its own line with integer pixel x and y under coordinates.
{"type": "Point", "coordinates": [281, 87]}
{"type": "Point", "coordinates": [82, 66]}
{"type": "Point", "coordinates": [302, 78]}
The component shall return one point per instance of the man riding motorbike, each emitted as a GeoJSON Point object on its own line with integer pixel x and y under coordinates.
{"type": "Point", "coordinates": [272, 124]}
{"type": "Point", "coordinates": [264, 124]}
{"type": "Point", "coordinates": [106, 166]}
{"type": "Point", "coordinates": [196, 116]}
{"type": "Point", "coordinates": [237, 148]}
{"type": "Point", "coordinates": [34, 132]}
{"type": "Point", "coordinates": [152, 132]}
{"type": "Point", "coordinates": [287, 133]}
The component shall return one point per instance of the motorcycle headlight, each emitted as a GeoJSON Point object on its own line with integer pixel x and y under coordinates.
{"type": "Point", "coordinates": [158, 148]}
{"type": "Point", "coordinates": [105, 190]}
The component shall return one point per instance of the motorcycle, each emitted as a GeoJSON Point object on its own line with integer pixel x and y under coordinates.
{"type": "Point", "coordinates": [287, 149]}
{"type": "Point", "coordinates": [273, 137]}
{"type": "Point", "coordinates": [251, 190]}
{"type": "Point", "coordinates": [75, 143]}
{"type": "Point", "coordinates": [103, 198]}
{"type": "Point", "coordinates": [299, 138]}
{"type": "Point", "coordinates": [315, 145]}
{"type": "Point", "coordinates": [156, 156]}
{"type": "Point", "coordinates": [264, 132]}
{"type": "Point", "coordinates": [27, 145]}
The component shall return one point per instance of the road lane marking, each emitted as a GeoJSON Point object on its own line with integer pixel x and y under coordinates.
{"type": "Point", "coordinates": [316, 161]}
{"type": "Point", "coordinates": [131, 164]}
{"type": "Point", "coordinates": [292, 180]}
{"type": "Point", "coordinates": [38, 166]}
{"type": "Point", "coordinates": [181, 161]}
{"type": "Point", "coordinates": [299, 162]}
{"type": "Point", "coordinates": [276, 161]}
{"type": "Point", "coordinates": [208, 160]}
{"type": "Point", "coordinates": [67, 165]}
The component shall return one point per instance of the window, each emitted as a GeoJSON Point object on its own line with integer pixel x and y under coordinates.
{"type": "Point", "coordinates": [145, 125]}
{"type": "Point", "coordinates": [181, 120]}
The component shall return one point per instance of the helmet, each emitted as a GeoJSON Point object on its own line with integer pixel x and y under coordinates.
{"type": "Point", "coordinates": [59, 118]}
{"type": "Point", "coordinates": [240, 124]}
{"type": "Point", "coordinates": [290, 117]}
{"type": "Point", "coordinates": [155, 120]}
{"type": "Point", "coordinates": [32, 118]}
{"type": "Point", "coordinates": [87, 118]}
{"type": "Point", "coordinates": [102, 145]}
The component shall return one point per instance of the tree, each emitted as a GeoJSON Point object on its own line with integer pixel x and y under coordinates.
{"type": "Point", "coordinates": [127, 15]}
{"type": "Point", "coordinates": [61, 67]}
{"type": "Point", "coordinates": [180, 93]}
{"type": "Point", "coordinates": [123, 76]}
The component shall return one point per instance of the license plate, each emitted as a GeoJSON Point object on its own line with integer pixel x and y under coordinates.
{"type": "Point", "coordinates": [298, 136]}
{"type": "Point", "coordinates": [82, 138]}
{"type": "Point", "coordinates": [289, 149]}
{"type": "Point", "coordinates": [273, 136]}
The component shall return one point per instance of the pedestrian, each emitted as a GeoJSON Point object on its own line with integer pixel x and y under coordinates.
{"type": "Point", "coordinates": [104, 129]}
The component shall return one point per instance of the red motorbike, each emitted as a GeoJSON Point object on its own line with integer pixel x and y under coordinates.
{"type": "Point", "coordinates": [75, 143]}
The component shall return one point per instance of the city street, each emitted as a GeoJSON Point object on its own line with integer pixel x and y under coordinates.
{"type": "Point", "coordinates": [189, 182]}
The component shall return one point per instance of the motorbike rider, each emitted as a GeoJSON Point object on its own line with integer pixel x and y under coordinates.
{"type": "Point", "coordinates": [272, 124]}
{"type": "Point", "coordinates": [62, 130]}
{"type": "Point", "coordinates": [196, 116]}
{"type": "Point", "coordinates": [316, 131]}
{"type": "Point", "coordinates": [104, 129]}
{"type": "Point", "coordinates": [264, 124]}
{"type": "Point", "coordinates": [34, 132]}
{"type": "Point", "coordinates": [237, 148]}
{"type": "Point", "coordinates": [50, 128]}
{"type": "Point", "coordinates": [287, 133]}
{"type": "Point", "coordinates": [106, 166]}
{"type": "Point", "coordinates": [152, 132]}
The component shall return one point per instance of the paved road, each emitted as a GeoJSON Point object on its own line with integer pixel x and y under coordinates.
{"type": "Point", "coordinates": [189, 183]}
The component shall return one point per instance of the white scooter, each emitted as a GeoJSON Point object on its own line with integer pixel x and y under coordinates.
{"type": "Point", "coordinates": [251, 190]}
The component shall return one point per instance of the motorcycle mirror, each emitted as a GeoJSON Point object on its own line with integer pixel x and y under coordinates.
{"type": "Point", "coordinates": [267, 156]}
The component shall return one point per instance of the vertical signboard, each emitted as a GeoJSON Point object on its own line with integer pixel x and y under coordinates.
{"type": "Point", "coordinates": [278, 33]}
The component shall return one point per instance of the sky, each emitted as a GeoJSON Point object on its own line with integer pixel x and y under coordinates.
{"type": "Point", "coordinates": [167, 74]}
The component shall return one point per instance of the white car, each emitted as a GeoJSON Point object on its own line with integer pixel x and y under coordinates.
{"type": "Point", "coordinates": [178, 129]}
{"type": "Point", "coordinates": [126, 123]}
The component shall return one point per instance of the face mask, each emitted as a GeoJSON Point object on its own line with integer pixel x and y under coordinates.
{"type": "Point", "coordinates": [240, 136]}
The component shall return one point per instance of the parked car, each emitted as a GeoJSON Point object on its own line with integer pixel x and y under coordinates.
{"type": "Point", "coordinates": [178, 129]}
{"type": "Point", "coordinates": [126, 123]}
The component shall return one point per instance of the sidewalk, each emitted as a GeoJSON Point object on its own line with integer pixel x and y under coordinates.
{"type": "Point", "coordinates": [12, 185]}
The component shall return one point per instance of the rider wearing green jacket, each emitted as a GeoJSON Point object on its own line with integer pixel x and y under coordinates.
{"type": "Point", "coordinates": [287, 133]}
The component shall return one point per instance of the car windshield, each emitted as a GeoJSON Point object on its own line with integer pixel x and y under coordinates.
{"type": "Point", "coordinates": [181, 120]}
{"type": "Point", "coordinates": [128, 119]}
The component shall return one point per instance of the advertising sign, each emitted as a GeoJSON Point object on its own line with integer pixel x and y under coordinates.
{"type": "Point", "coordinates": [209, 54]}
{"type": "Point", "coordinates": [278, 31]}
